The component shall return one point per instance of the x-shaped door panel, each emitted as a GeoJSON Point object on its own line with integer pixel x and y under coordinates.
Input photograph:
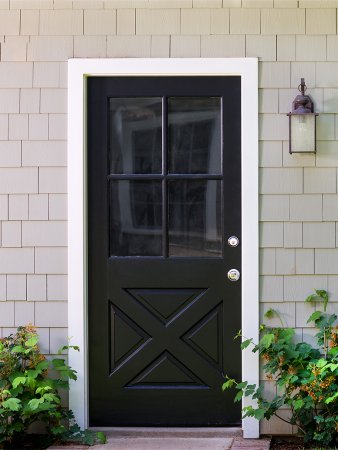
{"type": "Point", "coordinates": [155, 356]}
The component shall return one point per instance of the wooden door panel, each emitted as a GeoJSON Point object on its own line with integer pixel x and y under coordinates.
{"type": "Point", "coordinates": [162, 314]}
{"type": "Point", "coordinates": [126, 338]}
{"type": "Point", "coordinates": [142, 344]}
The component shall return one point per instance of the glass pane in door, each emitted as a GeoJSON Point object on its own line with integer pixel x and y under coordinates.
{"type": "Point", "coordinates": [195, 138]}
{"type": "Point", "coordinates": [135, 127]}
{"type": "Point", "coordinates": [135, 218]}
{"type": "Point", "coordinates": [195, 216]}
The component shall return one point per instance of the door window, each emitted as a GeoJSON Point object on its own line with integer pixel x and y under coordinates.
{"type": "Point", "coordinates": [165, 180]}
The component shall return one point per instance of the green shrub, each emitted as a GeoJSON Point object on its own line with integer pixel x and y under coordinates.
{"type": "Point", "coordinates": [306, 377]}
{"type": "Point", "coordinates": [29, 395]}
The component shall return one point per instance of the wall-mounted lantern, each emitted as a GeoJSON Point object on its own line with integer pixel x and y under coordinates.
{"type": "Point", "coordinates": [302, 123]}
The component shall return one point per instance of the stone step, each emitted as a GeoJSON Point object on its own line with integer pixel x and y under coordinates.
{"type": "Point", "coordinates": [121, 438]}
{"type": "Point", "coordinates": [167, 443]}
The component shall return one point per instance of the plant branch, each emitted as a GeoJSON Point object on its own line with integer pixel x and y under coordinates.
{"type": "Point", "coordinates": [290, 423]}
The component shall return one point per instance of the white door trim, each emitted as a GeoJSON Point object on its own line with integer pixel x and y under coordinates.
{"type": "Point", "coordinates": [78, 70]}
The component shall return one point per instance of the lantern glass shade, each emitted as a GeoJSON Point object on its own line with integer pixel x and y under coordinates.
{"type": "Point", "coordinates": [302, 133]}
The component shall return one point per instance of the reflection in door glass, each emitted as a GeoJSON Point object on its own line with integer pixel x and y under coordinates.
{"type": "Point", "coordinates": [135, 218]}
{"type": "Point", "coordinates": [135, 135]}
{"type": "Point", "coordinates": [194, 134]}
{"type": "Point", "coordinates": [195, 218]}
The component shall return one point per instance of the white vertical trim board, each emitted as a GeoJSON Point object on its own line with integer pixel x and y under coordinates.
{"type": "Point", "coordinates": [78, 70]}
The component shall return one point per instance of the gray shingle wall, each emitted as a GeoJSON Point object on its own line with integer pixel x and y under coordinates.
{"type": "Point", "coordinates": [299, 199]}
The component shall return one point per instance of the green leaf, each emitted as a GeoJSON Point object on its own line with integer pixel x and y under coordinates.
{"type": "Point", "coordinates": [15, 392]}
{"type": "Point", "coordinates": [17, 426]}
{"type": "Point", "coordinates": [259, 413]}
{"type": "Point", "coordinates": [75, 428]}
{"type": "Point", "coordinates": [13, 404]}
{"type": "Point", "coordinates": [68, 347]}
{"type": "Point", "coordinates": [33, 373]}
{"type": "Point", "coordinates": [333, 351]}
{"type": "Point", "coordinates": [246, 343]}
{"type": "Point", "coordinates": [101, 437]}
{"type": "Point", "coordinates": [46, 406]}
{"type": "Point", "coordinates": [32, 341]}
{"type": "Point", "coordinates": [267, 340]}
{"type": "Point", "coordinates": [314, 316]}
{"type": "Point", "coordinates": [61, 384]}
{"type": "Point", "coordinates": [52, 398]}
{"type": "Point", "coordinates": [17, 381]}
{"type": "Point", "coordinates": [238, 396]}
{"type": "Point", "coordinates": [34, 403]}
{"type": "Point", "coordinates": [321, 363]}
{"type": "Point", "coordinates": [270, 313]}
{"type": "Point", "coordinates": [311, 298]}
{"type": "Point", "coordinates": [332, 366]}
{"type": "Point", "coordinates": [62, 349]}
{"type": "Point", "coordinates": [320, 295]}
{"type": "Point", "coordinates": [298, 404]}
{"type": "Point", "coordinates": [57, 362]}
{"type": "Point", "coordinates": [323, 295]}
{"type": "Point", "coordinates": [67, 372]}
{"type": "Point", "coordinates": [331, 399]}
{"type": "Point", "coordinates": [57, 430]}
{"type": "Point", "coordinates": [228, 384]}
{"type": "Point", "coordinates": [43, 365]}
{"type": "Point", "coordinates": [89, 437]}
{"type": "Point", "coordinates": [18, 349]}
{"type": "Point", "coordinates": [241, 385]}
{"type": "Point", "coordinates": [42, 389]}
{"type": "Point", "coordinates": [292, 354]}
{"type": "Point", "coordinates": [31, 382]}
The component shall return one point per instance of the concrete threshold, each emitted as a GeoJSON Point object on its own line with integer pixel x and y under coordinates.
{"type": "Point", "coordinates": [179, 432]}
{"type": "Point", "coordinates": [130, 438]}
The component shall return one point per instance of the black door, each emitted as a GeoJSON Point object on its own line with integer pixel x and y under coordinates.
{"type": "Point", "coordinates": [163, 199]}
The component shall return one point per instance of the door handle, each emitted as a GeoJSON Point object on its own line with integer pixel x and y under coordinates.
{"type": "Point", "coordinates": [233, 275]}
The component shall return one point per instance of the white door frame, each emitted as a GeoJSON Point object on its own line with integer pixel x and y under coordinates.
{"type": "Point", "coordinates": [78, 71]}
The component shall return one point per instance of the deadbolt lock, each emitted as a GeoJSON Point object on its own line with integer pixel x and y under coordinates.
{"type": "Point", "coordinates": [233, 241]}
{"type": "Point", "coordinates": [233, 275]}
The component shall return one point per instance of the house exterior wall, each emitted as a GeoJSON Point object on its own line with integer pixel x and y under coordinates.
{"type": "Point", "coordinates": [298, 201]}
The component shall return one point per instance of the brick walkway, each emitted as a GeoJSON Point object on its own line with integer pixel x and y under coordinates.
{"type": "Point", "coordinates": [252, 444]}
